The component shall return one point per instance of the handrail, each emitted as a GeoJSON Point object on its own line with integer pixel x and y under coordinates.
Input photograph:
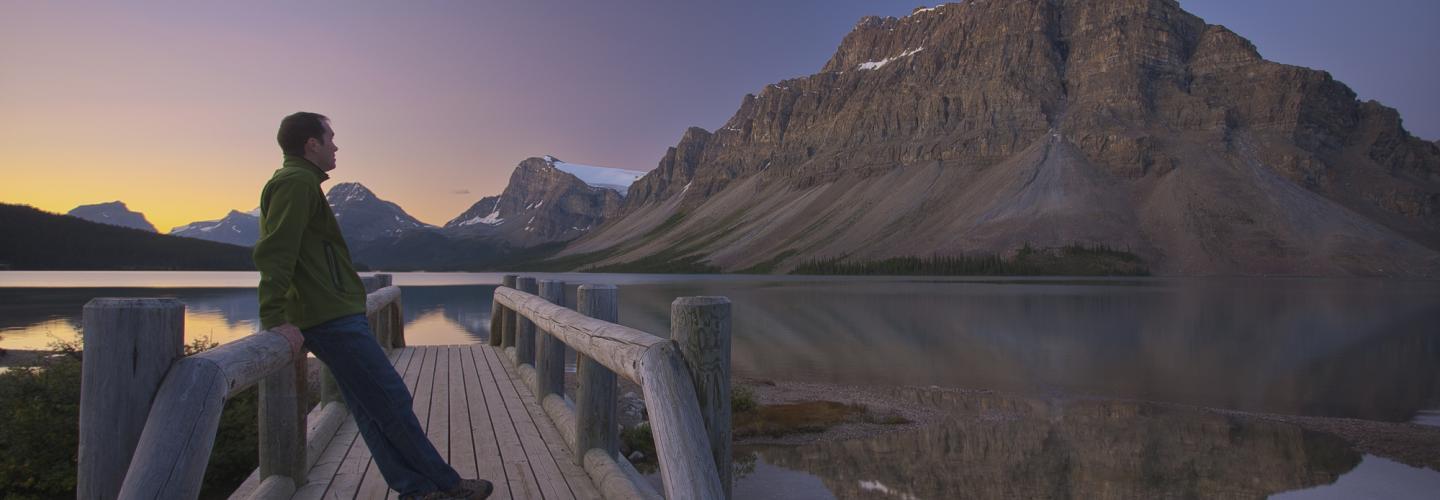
{"type": "Point", "coordinates": [174, 446]}
{"type": "Point", "coordinates": [618, 347]}
{"type": "Point", "coordinates": [683, 445]}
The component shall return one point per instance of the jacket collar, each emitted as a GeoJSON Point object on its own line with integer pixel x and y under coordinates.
{"type": "Point", "coordinates": [301, 163]}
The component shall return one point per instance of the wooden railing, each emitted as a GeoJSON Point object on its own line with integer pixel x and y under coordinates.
{"type": "Point", "coordinates": [685, 380]}
{"type": "Point", "coordinates": [148, 414]}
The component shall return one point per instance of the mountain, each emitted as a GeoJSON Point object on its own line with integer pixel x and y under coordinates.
{"type": "Point", "coordinates": [546, 203]}
{"type": "Point", "coordinates": [114, 213]}
{"type": "Point", "coordinates": [985, 127]}
{"type": "Point", "coordinates": [45, 241]}
{"type": "Point", "coordinates": [236, 228]}
{"type": "Point", "coordinates": [364, 216]}
{"type": "Point", "coordinates": [546, 200]}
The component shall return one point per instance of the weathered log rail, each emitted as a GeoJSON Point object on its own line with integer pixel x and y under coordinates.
{"type": "Point", "coordinates": [148, 415]}
{"type": "Point", "coordinates": [685, 381]}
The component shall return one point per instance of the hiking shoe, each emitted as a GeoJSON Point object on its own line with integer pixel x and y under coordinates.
{"type": "Point", "coordinates": [468, 489]}
{"type": "Point", "coordinates": [471, 489]}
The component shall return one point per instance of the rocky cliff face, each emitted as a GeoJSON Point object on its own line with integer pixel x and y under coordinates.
{"type": "Point", "coordinates": [541, 204]}
{"type": "Point", "coordinates": [236, 228]}
{"type": "Point", "coordinates": [114, 213]}
{"type": "Point", "coordinates": [981, 126]}
{"type": "Point", "coordinates": [364, 216]}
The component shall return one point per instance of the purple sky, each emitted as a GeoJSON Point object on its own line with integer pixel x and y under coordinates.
{"type": "Point", "coordinates": [172, 106]}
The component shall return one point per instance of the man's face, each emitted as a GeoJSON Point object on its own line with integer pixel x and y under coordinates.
{"type": "Point", "coordinates": [322, 154]}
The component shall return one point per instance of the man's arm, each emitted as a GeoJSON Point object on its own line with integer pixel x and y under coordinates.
{"type": "Point", "coordinates": [288, 208]}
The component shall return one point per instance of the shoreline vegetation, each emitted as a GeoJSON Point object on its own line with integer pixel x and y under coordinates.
{"type": "Point", "coordinates": [1069, 260]}
{"type": "Point", "coordinates": [40, 406]}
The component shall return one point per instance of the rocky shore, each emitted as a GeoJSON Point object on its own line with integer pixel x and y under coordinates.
{"type": "Point", "coordinates": [1409, 443]}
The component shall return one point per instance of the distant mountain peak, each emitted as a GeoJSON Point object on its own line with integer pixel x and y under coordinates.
{"type": "Point", "coordinates": [349, 192]}
{"type": "Point", "coordinates": [114, 213]}
{"type": "Point", "coordinates": [236, 228]}
{"type": "Point", "coordinates": [363, 215]}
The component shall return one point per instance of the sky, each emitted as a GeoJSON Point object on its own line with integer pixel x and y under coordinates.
{"type": "Point", "coordinates": [172, 106]}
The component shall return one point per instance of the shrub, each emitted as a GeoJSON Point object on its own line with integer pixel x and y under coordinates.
{"type": "Point", "coordinates": [742, 399]}
{"type": "Point", "coordinates": [40, 408]}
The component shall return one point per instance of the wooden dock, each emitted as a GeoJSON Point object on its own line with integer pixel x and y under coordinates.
{"type": "Point", "coordinates": [149, 414]}
{"type": "Point", "coordinates": [478, 415]}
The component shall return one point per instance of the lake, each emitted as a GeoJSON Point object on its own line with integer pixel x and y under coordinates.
{"type": "Point", "coordinates": [1355, 348]}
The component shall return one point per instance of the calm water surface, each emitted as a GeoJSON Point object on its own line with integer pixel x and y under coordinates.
{"type": "Point", "coordinates": [1329, 347]}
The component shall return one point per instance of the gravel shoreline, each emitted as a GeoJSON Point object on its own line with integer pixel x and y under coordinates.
{"type": "Point", "coordinates": [1412, 444]}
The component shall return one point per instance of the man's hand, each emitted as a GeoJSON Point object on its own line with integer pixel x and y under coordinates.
{"type": "Point", "coordinates": [292, 334]}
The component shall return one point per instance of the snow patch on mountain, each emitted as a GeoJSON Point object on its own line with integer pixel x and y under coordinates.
{"type": "Point", "coordinates": [492, 220]}
{"type": "Point", "coordinates": [615, 179]}
{"type": "Point", "coordinates": [873, 65]}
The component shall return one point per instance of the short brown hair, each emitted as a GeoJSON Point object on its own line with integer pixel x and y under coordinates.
{"type": "Point", "coordinates": [298, 128]}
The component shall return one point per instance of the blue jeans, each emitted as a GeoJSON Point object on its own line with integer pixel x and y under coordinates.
{"type": "Point", "coordinates": [381, 405]}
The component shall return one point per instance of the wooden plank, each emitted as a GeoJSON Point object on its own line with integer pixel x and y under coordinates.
{"type": "Point", "coordinates": [547, 474]}
{"type": "Point", "coordinates": [435, 416]}
{"type": "Point", "coordinates": [323, 474]}
{"type": "Point", "coordinates": [489, 464]}
{"type": "Point", "coordinates": [462, 444]}
{"type": "Point", "coordinates": [328, 463]}
{"type": "Point", "coordinates": [555, 448]}
{"type": "Point", "coordinates": [519, 477]}
{"type": "Point", "coordinates": [357, 463]}
{"type": "Point", "coordinates": [373, 486]}
{"type": "Point", "coordinates": [437, 428]}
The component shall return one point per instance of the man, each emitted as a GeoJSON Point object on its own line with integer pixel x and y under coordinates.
{"type": "Point", "coordinates": [310, 293]}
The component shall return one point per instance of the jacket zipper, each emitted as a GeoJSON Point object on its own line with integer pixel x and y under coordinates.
{"type": "Point", "coordinates": [334, 267]}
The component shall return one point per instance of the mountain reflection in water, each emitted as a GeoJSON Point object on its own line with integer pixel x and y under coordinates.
{"type": "Point", "coordinates": [1000, 447]}
{"type": "Point", "coordinates": [1352, 348]}
{"type": "Point", "coordinates": [1327, 347]}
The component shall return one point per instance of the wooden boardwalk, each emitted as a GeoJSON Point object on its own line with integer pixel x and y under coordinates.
{"type": "Point", "coordinates": [479, 416]}
{"type": "Point", "coordinates": [470, 400]}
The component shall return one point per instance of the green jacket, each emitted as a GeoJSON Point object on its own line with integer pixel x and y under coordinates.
{"type": "Point", "coordinates": [306, 277]}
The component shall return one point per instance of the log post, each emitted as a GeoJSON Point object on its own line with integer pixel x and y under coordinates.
{"type": "Point", "coordinates": [129, 345]}
{"type": "Point", "coordinates": [380, 327]}
{"type": "Point", "coordinates": [282, 421]}
{"type": "Point", "coordinates": [701, 327]}
{"type": "Point", "coordinates": [550, 354]}
{"type": "Point", "coordinates": [496, 313]}
{"type": "Point", "coordinates": [329, 389]}
{"type": "Point", "coordinates": [596, 398]}
{"type": "Point", "coordinates": [525, 329]}
{"type": "Point", "coordinates": [507, 316]}
{"type": "Point", "coordinates": [397, 323]}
